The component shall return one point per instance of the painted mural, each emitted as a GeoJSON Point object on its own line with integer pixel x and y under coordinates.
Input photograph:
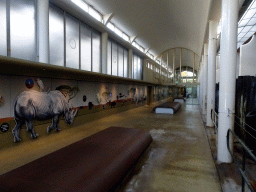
{"type": "Point", "coordinates": [37, 105]}
{"type": "Point", "coordinates": [29, 102]}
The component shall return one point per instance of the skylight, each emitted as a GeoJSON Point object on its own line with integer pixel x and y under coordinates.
{"type": "Point", "coordinates": [81, 4]}
{"type": "Point", "coordinates": [118, 32]}
{"type": "Point", "coordinates": [126, 37]}
{"type": "Point", "coordinates": [95, 14]}
{"type": "Point", "coordinates": [111, 26]}
{"type": "Point", "coordinates": [247, 24]}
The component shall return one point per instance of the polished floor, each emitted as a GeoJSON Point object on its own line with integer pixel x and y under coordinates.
{"type": "Point", "coordinates": [179, 158]}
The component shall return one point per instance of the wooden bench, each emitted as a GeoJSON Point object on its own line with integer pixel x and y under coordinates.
{"type": "Point", "coordinates": [168, 107]}
{"type": "Point", "coordinates": [97, 163]}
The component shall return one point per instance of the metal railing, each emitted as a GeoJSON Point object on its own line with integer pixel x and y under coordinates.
{"type": "Point", "coordinates": [246, 152]}
{"type": "Point", "coordinates": [214, 117]}
{"type": "Point", "coordinates": [241, 165]}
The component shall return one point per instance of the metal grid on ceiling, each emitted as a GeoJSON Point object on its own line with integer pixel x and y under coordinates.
{"type": "Point", "coordinates": [247, 24]}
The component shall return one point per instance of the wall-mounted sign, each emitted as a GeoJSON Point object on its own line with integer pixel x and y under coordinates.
{"type": "Point", "coordinates": [84, 98]}
{"type": "Point", "coordinates": [4, 127]}
{"type": "Point", "coordinates": [29, 83]}
{"type": "Point", "coordinates": [1, 100]}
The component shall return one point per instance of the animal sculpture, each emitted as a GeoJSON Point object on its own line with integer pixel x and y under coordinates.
{"type": "Point", "coordinates": [31, 105]}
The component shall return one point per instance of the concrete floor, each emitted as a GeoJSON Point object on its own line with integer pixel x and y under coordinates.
{"type": "Point", "coordinates": [179, 158]}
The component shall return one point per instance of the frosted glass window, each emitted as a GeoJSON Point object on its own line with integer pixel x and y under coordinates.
{"type": "Point", "coordinates": [109, 58]}
{"type": "Point", "coordinates": [120, 61]}
{"type": "Point", "coordinates": [3, 40]}
{"type": "Point", "coordinates": [125, 63]}
{"type": "Point", "coordinates": [114, 58]}
{"type": "Point", "coordinates": [96, 38]}
{"type": "Point", "coordinates": [23, 29]}
{"type": "Point", "coordinates": [86, 48]}
{"type": "Point", "coordinates": [56, 35]}
{"type": "Point", "coordinates": [135, 66]}
{"type": "Point", "coordinates": [72, 42]}
{"type": "Point", "coordinates": [139, 74]}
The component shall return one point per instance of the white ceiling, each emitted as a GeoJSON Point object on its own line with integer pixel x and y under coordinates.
{"type": "Point", "coordinates": [162, 24]}
{"type": "Point", "coordinates": [158, 24]}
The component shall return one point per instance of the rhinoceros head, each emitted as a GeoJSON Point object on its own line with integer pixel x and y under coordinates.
{"type": "Point", "coordinates": [69, 114]}
{"type": "Point", "coordinates": [69, 94]}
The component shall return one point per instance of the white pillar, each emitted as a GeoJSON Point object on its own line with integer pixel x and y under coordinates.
{"type": "Point", "coordinates": [104, 49]}
{"type": "Point", "coordinates": [201, 82]}
{"type": "Point", "coordinates": [211, 71]}
{"type": "Point", "coordinates": [205, 78]}
{"type": "Point", "coordinates": [43, 30]}
{"type": "Point", "coordinates": [227, 77]}
{"type": "Point", "coordinates": [173, 66]}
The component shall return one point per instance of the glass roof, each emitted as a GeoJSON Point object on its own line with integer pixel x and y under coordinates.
{"type": "Point", "coordinates": [247, 24]}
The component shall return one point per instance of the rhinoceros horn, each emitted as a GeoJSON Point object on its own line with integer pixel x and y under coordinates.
{"type": "Point", "coordinates": [74, 112]}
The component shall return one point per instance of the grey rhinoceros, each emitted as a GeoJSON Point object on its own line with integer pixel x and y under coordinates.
{"type": "Point", "coordinates": [32, 105]}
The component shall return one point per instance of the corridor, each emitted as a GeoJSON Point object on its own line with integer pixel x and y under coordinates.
{"type": "Point", "coordinates": [178, 159]}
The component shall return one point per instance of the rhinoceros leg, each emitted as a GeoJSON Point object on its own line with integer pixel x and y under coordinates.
{"type": "Point", "coordinates": [16, 130]}
{"type": "Point", "coordinates": [54, 125]}
{"type": "Point", "coordinates": [30, 128]}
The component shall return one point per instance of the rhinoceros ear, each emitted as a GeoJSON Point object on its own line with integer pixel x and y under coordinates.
{"type": "Point", "coordinates": [72, 92]}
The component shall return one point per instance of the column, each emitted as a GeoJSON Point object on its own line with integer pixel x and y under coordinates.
{"type": "Point", "coordinates": [43, 30]}
{"type": "Point", "coordinates": [202, 82]}
{"type": "Point", "coordinates": [173, 66]}
{"type": "Point", "coordinates": [104, 48]}
{"type": "Point", "coordinates": [211, 71]}
{"type": "Point", "coordinates": [205, 78]}
{"type": "Point", "coordinates": [227, 77]}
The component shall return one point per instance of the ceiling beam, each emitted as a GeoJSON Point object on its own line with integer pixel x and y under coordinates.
{"type": "Point", "coordinates": [146, 51]}
{"type": "Point", "coordinates": [107, 18]}
{"type": "Point", "coordinates": [132, 39]}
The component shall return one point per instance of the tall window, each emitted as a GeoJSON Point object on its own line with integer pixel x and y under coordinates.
{"type": "Point", "coordinates": [3, 35]}
{"type": "Point", "coordinates": [23, 29]}
{"type": "Point", "coordinates": [72, 42]}
{"type": "Point", "coordinates": [96, 52]}
{"type": "Point", "coordinates": [83, 51]}
{"type": "Point", "coordinates": [137, 67]}
{"type": "Point", "coordinates": [117, 59]}
{"type": "Point", "coordinates": [86, 47]}
{"type": "Point", "coordinates": [56, 35]}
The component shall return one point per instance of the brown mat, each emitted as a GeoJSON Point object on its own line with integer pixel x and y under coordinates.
{"type": "Point", "coordinates": [174, 105]}
{"type": "Point", "coordinates": [96, 163]}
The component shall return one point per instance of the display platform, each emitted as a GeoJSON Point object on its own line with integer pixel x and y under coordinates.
{"type": "Point", "coordinates": [96, 163]}
{"type": "Point", "coordinates": [168, 107]}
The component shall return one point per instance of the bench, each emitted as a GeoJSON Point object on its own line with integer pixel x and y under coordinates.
{"type": "Point", "coordinates": [97, 163]}
{"type": "Point", "coordinates": [168, 107]}
{"type": "Point", "coordinates": [179, 99]}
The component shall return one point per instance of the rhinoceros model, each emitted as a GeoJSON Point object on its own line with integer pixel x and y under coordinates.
{"type": "Point", "coordinates": [32, 105]}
